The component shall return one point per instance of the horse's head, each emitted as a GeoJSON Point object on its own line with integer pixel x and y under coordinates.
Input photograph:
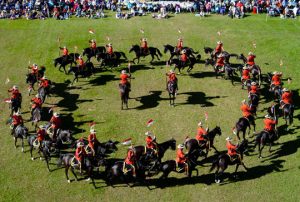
{"type": "Point", "coordinates": [242, 147]}
{"type": "Point", "coordinates": [218, 130]}
{"type": "Point", "coordinates": [207, 50]}
{"type": "Point", "coordinates": [111, 145]}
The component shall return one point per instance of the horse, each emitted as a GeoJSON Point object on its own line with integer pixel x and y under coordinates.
{"type": "Point", "coordinates": [171, 49]}
{"type": "Point", "coordinates": [36, 116]}
{"type": "Point", "coordinates": [190, 63]}
{"type": "Point", "coordinates": [124, 92]}
{"type": "Point", "coordinates": [31, 80]}
{"type": "Point", "coordinates": [172, 89]}
{"type": "Point", "coordinates": [242, 124]}
{"type": "Point", "coordinates": [107, 59]}
{"type": "Point", "coordinates": [15, 104]}
{"type": "Point", "coordinates": [277, 90]}
{"type": "Point", "coordinates": [253, 102]}
{"type": "Point", "coordinates": [263, 138]}
{"type": "Point", "coordinates": [227, 55]}
{"type": "Point", "coordinates": [170, 165]}
{"type": "Point", "coordinates": [63, 62]}
{"type": "Point", "coordinates": [91, 53]}
{"type": "Point", "coordinates": [246, 83]}
{"type": "Point", "coordinates": [20, 132]}
{"type": "Point", "coordinates": [255, 70]}
{"type": "Point", "coordinates": [286, 111]}
{"type": "Point", "coordinates": [42, 93]}
{"type": "Point", "coordinates": [86, 72]}
{"type": "Point", "coordinates": [224, 160]}
{"type": "Point", "coordinates": [192, 144]}
{"type": "Point", "coordinates": [68, 162]}
{"type": "Point", "coordinates": [138, 53]}
{"type": "Point", "coordinates": [103, 148]}
{"type": "Point", "coordinates": [229, 73]}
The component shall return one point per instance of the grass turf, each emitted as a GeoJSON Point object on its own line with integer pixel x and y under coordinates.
{"type": "Point", "coordinates": [274, 178]}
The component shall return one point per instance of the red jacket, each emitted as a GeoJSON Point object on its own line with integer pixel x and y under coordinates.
{"type": "Point", "coordinates": [17, 120]}
{"type": "Point", "coordinates": [80, 62]}
{"type": "Point", "coordinates": [92, 139]}
{"type": "Point", "coordinates": [109, 50]}
{"type": "Point", "coordinates": [179, 45]}
{"type": "Point", "coordinates": [34, 70]}
{"type": "Point", "coordinates": [130, 157]}
{"type": "Point", "coordinates": [15, 94]}
{"type": "Point", "coordinates": [65, 52]}
{"type": "Point", "coordinates": [180, 157]}
{"type": "Point", "coordinates": [246, 110]}
{"type": "Point", "coordinates": [149, 143]}
{"type": "Point", "coordinates": [144, 44]}
{"type": "Point", "coordinates": [200, 134]}
{"type": "Point", "coordinates": [246, 74]}
{"type": "Point", "coordinates": [183, 57]}
{"type": "Point", "coordinates": [219, 48]}
{"type": "Point", "coordinates": [231, 148]}
{"type": "Point", "coordinates": [276, 80]}
{"type": "Point", "coordinates": [41, 134]}
{"type": "Point", "coordinates": [250, 60]}
{"type": "Point", "coordinates": [56, 122]}
{"type": "Point", "coordinates": [124, 78]}
{"type": "Point", "coordinates": [44, 83]}
{"type": "Point", "coordinates": [80, 153]}
{"type": "Point", "coordinates": [269, 124]}
{"type": "Point", "coordinates": [93, 45]}
{"type": "Point", "coordinates": [287, 97]}
{"type": "Point", "coordinates": [172, 77]}
{"type": "Point", "coordinates": [220, 61]}
{"type": "Point", "coordinates": [37, 102]}
{"type": "Point", "coordinates": [254, 89]}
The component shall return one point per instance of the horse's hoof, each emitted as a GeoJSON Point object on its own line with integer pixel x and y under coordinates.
{"type": "Point", "coordinates": [23, 150]}
{"type": "Point", "coordinates": [41, 158]}
{"type": "Point", "coordinates": [218, 181]}
{"type": "Point", "coordinates": [69, 181]}
{"type": "Point", "coordinates": [32, 158]}
{"type": "Point", "coordinates": [260, 157]}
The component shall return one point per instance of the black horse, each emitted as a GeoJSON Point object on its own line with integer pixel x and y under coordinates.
{"type": "Point", "coordinates": [263, 138]}
{"type": "Point", "coordinates": [172, 89]}
{"type": "Point", "coordinates": [103, 148]}
{"type": "Point", "coordinates": [243, 123]}
{"type": "Point", "coordinates": [36, 116]}
{"type": "Point", "coordinates": [113, 60]}
{"type": "Point", "coordinates": [227, 55]}
{"type": "Point", "coordinates": [15, 105]}
{"type": "Point", "coordinates": [168, 166]}
{"type": "Point", "coordinates": [88, 70]}
{"type": "Point", "coordinates": [255, 70]}
{"type": "Point", "coordinates": [64, 61]}
{"type": "Point", "coordinates": [20, 132]}
{"type": "Point", "coordinates": [190, 63]}
{"type": "Point", "coordinates": [192, 144]}
{"type": "Point", "coordinates": [31, 80]}
{"type": "Point", "coordinates": [224, 160]}
{"type": "Point", "coordinates": [68, 161]}
{"type": "Point", "coordinates": [173, 52]}
{"type": "Point", "coordinates": [138, 53]}
{"type": "Point", "coordinates": [253, 102]}
{"type": "Point", "coordinates": [124, 92]}
{"type": "Point", "coordinates": [229, 73]}
{"type": "Point", "coordinates": [89, 52]}
{"type": "Point", "coordinates": [286, 111]}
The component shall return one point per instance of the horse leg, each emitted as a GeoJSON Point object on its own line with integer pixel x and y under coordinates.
{"type": "Point", "coordinates": [73, 172]}
{"type": "Point", "coordinates": [67, 173]}
{"type": "Point", "coordinates": [260, 156]}
{"type": "Point", "coordinates": [235, 172]}
{"type": "Point", "coordinates": [238, 134]}
{"type": "Point", "coordinates": [214, 148]}
{"type": "Point", "coordinates": [15, 142]}
{"type": "Point", "coordinates": [23, 145]}
{"type": "Point", "coordinates": [157, 56]}
{"type": "Point", "coordinates": [152, 56]}
{"type": "Point", "coordinates": [217, 175]}
{"type": "Point", "coordinates": [47, 162]}
{"type": "Point", "coordinates": [31, 148]}
{"type": "Point", "coordinates": [270, 146]}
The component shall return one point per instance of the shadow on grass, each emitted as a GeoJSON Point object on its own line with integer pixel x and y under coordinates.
{"type": "Point", "coordinates": [102, 79]}
{"type": "Point", "coordinates": [199, 98]}
{"type": "Point", "coordinates": [149, 101]}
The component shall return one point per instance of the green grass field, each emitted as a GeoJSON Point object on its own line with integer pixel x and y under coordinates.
{"type": "Point", "coordinates": [273, 178]}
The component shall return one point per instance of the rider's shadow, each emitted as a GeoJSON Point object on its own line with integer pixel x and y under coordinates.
{"type": "Point", "coordinates": [149, 101]}
{"type": "Point", "coordinates": [199, 98]}
{"type": "Point", "coordinates": [102, 80]}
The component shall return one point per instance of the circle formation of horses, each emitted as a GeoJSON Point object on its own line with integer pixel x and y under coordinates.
{"type": "Point", "coordinates": [51, 140]}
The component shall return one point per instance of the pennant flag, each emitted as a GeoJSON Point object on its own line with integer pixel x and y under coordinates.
{"type": "Point", "coordinates": [219, 33]}
{"type": "Point", "coordinates": [92, 124]}
{"type": "Point", "coordinates": [7, 81]}
{"type": "Point", "coordinates": [281, 63]}
{"type": "Point", "coordinates": [289, 81]}
{"type": "Point", "coordinates": [142, 31]}
{"type": "Point", "coordinates": [107, 37]}
{"type": "Point", "coordinates": [150, 122]}
{"type": "Point", "coordinates": [254, 44]}
{"type": "Point", "coordinates": [206, 116]}
{"type": "Point", "coordinates": [7, 100]}
{"type": "Point", "coordinates": [179, 31]}
{"type": "Point", "coordinates": [127, 141]}
{"type": "Point", "coordinates": [233, 130]}
{"type": "Point", "coordinates": [76, 48]}
{"type": "Point", "coordinates": [58, 39]}
{"type": "Point", "coordinates": [167, 63]}
{"type": "Point", "coordinates": [91, 31]}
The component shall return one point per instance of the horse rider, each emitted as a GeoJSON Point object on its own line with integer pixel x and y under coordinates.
{"type": "Point", "coordinates": [80, 64]}
{"type": "Point", "coordinates": [125, 79]}
{"type": "Point", "coordinates": [93, 46]}
{"type": "Point", "coordinates": [276, 80]}
{"type": "Point", "coordinates": [183, 58]}
{"type": "Point", "coordinates": [181, 159]}
{"type": "Point", "coordinates": [15, 93]}
{"type": "Point", "coordinates": [219, 49]}
{"type": "Point", "coordinates": [270, 126]}
{"type": "Point", "coordinates": [151, 145]}
{"type": "Point", "coordinates": [65, 53]}
{"type": "Point", "coordinates": [172, 78]}
{"type": "Point", "coordinates": [250, 59]}
{"type": "Point", "coordinates": [144, 46]}
{"type": "Point", "coordinates": [286, 98]}
{"type": "Point", "coordinates": [80, 153]}
{"type": "Point", "coordinates": [231, 149]}
{"type": "Point", "coordinates": [45, 83]}
{"type": "Point", "coordinates": [55, 124]}
{"type": "Point", "coordinates": [109, 51]}
{"type": "Point", "coordinates": [254, 88]}
{"type": "Point", "coordinates": [220, 62]}
{"type": "Point", "coordinates": [129, 162]}
{"type": "Point", "coordinates": [201, 135]}
{"type": "Point", "coordinates": [41, 135]}
{"type": "Point", "coordinates": [179, 46]}
{"type": "Point", "coordinates": [245, 74]}
{"type": "Point", "coordinates": [92, 139]}
{"type": "Point", "coordinates": [34, 70]}
{"type": "Point", "coordinates": [16, 120]}
{"type": "Point", "coordinates": [247, 111]}
{"type": "Point", "coordinates": [36, 102]}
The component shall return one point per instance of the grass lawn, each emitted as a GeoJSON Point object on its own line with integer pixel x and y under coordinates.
{"type": "Point", "coordinates": [273, 178]}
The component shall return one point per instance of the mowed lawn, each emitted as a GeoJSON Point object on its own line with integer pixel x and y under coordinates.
{"type": "Point", "coordinates": [273, 178]}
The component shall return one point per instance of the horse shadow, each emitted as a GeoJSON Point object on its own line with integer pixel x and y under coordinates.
{"type": "Point", "coordinates": [72, 125]}
{"type": "Point", "coordinates": [199, 98]}
{"type": "Point", "coordinates": [149, 101]}
{"type": "Point", "coordinates": [267, 96]}
{"type": "Point", "coordinates": [200, 75]}
{"type": "Point", "coordinates": [102, 80]}
{"type": "Point", "coordinates": [69, 101]}
{"type": "Point", "coordinates": [137, 67]}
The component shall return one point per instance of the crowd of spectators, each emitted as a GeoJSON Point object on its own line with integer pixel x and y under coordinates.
{"type": "Point", "coordinates": [124, 9]}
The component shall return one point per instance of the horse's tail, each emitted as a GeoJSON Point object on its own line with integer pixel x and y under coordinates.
{"type": "Point", "coordinates": [159, 53]}
{"type": "Point", "coordinates": [214, 165]}
{"type": "Point", "coordinates": [123, 55]}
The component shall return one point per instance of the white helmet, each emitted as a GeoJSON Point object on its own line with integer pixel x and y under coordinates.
{"type": "Point", "coordinates": [219, 42]}
{"type": "Point", "coordinates": [171, 71]}
{"type": "Point", "coordinates": [245, 67]}
{"type": "Point", "coordinates": [37, 95]}
{"type": "Point", "coordinates": [228, 139]}
{"type": "Point", "coordinates": [148, 133]}
{"type": "Point", "coordinates": [144, 39]}
{"type": "Point", "coordinates": [17, 113]}
{"type": "Point", "coordinates": [56, 114]}
{"type": "Point", "coordinates": [275, 72]}
{"type": "Point", "coordinates": [44, 77]}
{"type": "Point", "coordinates": [268, 116]}
{"type": "Point", "coordinates": [123, 71]}
{"type": "Point", "coordinates": [250, 53]}
{"type": "Point", "coordinates": [285, 89]}
{"type": "Point", "coordinates": [253, 83]}
{"type": "Point", "coordinates": [65, 46]}
{"type": "Point", "coordinates": [200, 124]}
{"type": "Point", "coordinates": [180, 146]}
{"type": "Point", "coordinates": [15, 87]}
{"type": "Point", "coordinates": [109, 44]}
{"type": "Point", "coordinates": [80, 144]}
{"type": "Point", "coordinates": [92, 131]}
